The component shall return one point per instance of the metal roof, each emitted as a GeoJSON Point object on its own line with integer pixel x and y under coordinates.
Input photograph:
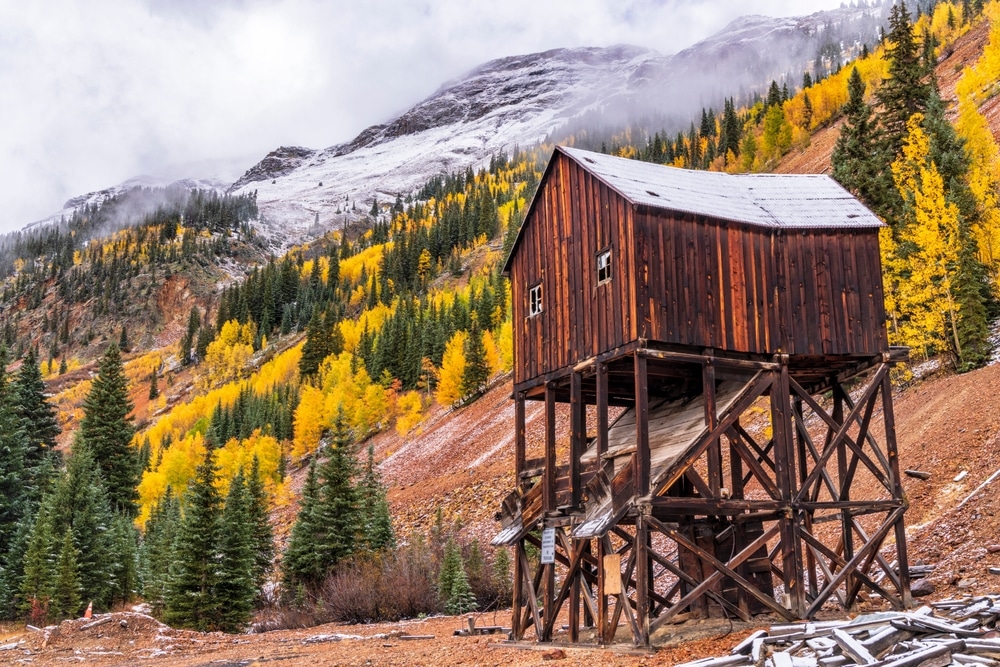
{"type": "Point", "coordinates": [780, 201]}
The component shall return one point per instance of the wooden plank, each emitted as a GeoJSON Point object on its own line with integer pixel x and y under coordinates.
{"type": "Point", "coordinates": [578, 436]}
{"type": "Point", "coordinates": [642, 426]}
{"type": "Point", "coordinates": [520, 446]}
{"type": "Point", "coordinates": [548, 477]}
{"type": "Point", "coordinates": [602, 408]}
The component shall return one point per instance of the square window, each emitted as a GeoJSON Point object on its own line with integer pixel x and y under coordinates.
{"type": "Point", "coordinates": [604, 266]}
{"type": "Point", "coordinates": [535, 300]}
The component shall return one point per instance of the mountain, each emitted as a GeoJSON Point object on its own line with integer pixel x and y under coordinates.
{"type": "Point", "coordinates": [522, 100]}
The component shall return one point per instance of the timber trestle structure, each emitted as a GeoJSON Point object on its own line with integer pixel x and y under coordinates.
{"type": "Point", "coordinates": [718, 435]}
{"type": "Point", "coordinates": [736, 491]}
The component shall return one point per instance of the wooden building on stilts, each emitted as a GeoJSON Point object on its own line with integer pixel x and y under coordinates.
{"type": "Point", "coordinates": [719, 345]}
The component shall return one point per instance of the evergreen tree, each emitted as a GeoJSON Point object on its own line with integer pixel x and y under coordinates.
{"type": "Point", "coordinates": [262, 537]}
{"type": "Point", "coordinates": [378, 533]}
{"type": "Point", "coordinates": [859, 155]}
{"type": "Point", "coordinates": [66, 590]}
{"type": "Point", "coordinates": [453, 582]}
{"type": "Point", "coordinates": [107, 429]}
{"type": "Point", "coordinates": [317, 345]}
{"type": "Point", "coordinates": [124, 544]}
{"type": "Point", "coordinates": [301, 564]}
{"type": "Point", "coordinates": [79, 502]}
{"type": "Point", "coordinates": [123, 343]}
{"type": "Point", "coordinates": [12, 568]}
{"type": "Point", "coordinates": [14, 452]}
{"type": "Point", "coordinates": [36, 412]}
{"type": "Point", "coordinates": [157, 550]}
{"type": "Point", "coordinates": [338, 508]}
{"type": "Point", "coordinates": [236, 588]}
{"type": "Point", "coordinates": [476, 375]}
{"type": "Point", "coordinates": [154, 389]}
{"type": "Point", "coordinates": [906, 91]}
{"type": "Point", "coordinates": [191, 592]}
{"type": "Point", "coordinates": [39, 569]}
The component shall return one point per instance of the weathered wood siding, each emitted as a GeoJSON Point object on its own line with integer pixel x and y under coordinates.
{"type": "Point", "coordinates": [684, 279]}
{"type": "Point", "coordinates": [711, 283]}
{"type": "Point", "coordinates": [573, 217]}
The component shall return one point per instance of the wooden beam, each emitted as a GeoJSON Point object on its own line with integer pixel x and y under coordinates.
{"type": "Point", "coordinates": [711, 421]}
{"type": "Point", "coordinates": [520, 446]}
{"type": "Point", "coordinates": [689, 358]}
{"type": "Point", "coordinates": [578, 436]}
{"type": "Point", "coordinates": [889, 422]}
{"type": "Point", "coordinates": [549, 476]}
{"type": "Point", "coordinates": [643, 576]}
{"type": "Point", "coordinates": [602, 408]}
{"type": "Point", "coordinates": [516, 629]}
{"type": "Point", "coordinates": [642, 455]}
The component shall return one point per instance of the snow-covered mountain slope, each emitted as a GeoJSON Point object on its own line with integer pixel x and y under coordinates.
{"type": "Point", "coordinates": [521, 100]}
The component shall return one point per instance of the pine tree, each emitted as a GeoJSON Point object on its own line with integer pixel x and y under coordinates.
{"type": "Point", "coordinates": [35, 411]}
{"type": "Point", "coordinates": [301, 564]}
{"type": "Point", "coordinates": [859, 155]}
{"type": "Point", "coordinates": [66, 590]}
{"type": "Point", "coordinates": [123, 343]}
{"type": "Point", "coordinates": [124, 545]}
{"type": "Point", "coordinates": [14, 455]}
{"type": "Point", "coordinates": [78, 501]}
{"type": "Point", "coordinates": [338, 507]}
{"type": "Point", "coordinates": [39, 569]}
{"type": "Point", "coordinates": [236, 588]}
{"type": "Point", "coordinates": [378, 533]}
{"type": "Point", "coordinates": [107, 429]}
{"type": "Point", "coordinates": [906, 91]}
{"type": "Point", "coordinates": [262, 537]}
{"type": "Point", "coordinates": [154, 389]}
{"type": "Point", "coordinates": [157, 550]}
{"type": "Point", "coordinates": [453, 583]}
{"type": "Point", "coordinates": [317, 345]}
{"type": "Point", "coordinates": [191, 592]}
{"type": "Point", "coordinates": [476, 374]}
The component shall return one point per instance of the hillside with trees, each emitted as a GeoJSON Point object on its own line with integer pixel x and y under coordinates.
{"type": "Point", "coordinates": [250, 452]}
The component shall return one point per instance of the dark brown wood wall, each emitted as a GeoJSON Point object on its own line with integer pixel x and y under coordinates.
{"type": "Point", "coordinates": [683, 279]}
{"type": "Point", "coordinates": [748, 289]}
{"type": "Point", "coordinates": [574, 216]}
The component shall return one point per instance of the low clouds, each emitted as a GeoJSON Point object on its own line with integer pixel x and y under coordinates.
{"type": "Point", "coordinates": [97, 92]}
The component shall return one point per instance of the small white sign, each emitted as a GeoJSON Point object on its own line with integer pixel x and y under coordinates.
{"type": "Point", "coordinates": [548, 546]}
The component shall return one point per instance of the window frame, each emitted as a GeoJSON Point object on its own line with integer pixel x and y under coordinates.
{"type": "Point", "coordinates": [604, 252]}
{"type": "Point", "coordinates": [535, 303]}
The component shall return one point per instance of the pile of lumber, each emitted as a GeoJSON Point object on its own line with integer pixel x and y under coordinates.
{"type": "Point", "coordinates": [950, 632]}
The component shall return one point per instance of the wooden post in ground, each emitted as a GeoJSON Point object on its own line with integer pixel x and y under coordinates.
{"type": "Point", "coordinates": [892, 452]}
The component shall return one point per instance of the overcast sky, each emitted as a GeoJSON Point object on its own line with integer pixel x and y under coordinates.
{"type": "Point", "coordinates": [96, 92]}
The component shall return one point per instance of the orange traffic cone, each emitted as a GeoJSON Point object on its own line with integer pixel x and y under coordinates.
{"type": "Point", "coordinates": [90, 611]}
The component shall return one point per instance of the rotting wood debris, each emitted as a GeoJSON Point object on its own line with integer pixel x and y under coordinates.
{"type": "Point", "coordinates": [951, 632]}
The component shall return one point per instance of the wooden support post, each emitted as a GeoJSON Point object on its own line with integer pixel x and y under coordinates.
{"type": "Point", "coordinates": [603, 549]}
{"type": "Point", "coordinates": [641, 427]}
{"type": "Point", "coordinates": [549, 599]}
{"type": "Point", "coordinates": [643, 576]}
{"type": "Point", "coordinates": [892, 451]}
{"type": "Point", "coordinates": [784, 460]}
{"type": "Point", "coordinates": [711, 420]}
{"type": "Point", "coordinates": [578, 435]}
{"type": "Point", "coordinates": [846, 527]}
{"type": "Point", "coordinates": [549, 475]}
{"type": "Point", "coordinates": [516, 630]}
{"type": "Point", "coordinates": [520, 446]}
{"type": "Point", "coordinates": [798, 417]}
{"type": "Point", "coordinates": [602, 408]}
{"type": "Point", "coordinates": [574, 594]}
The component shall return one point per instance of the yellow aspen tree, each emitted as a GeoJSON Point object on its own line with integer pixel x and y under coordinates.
{"type": "Point", "coordinates": [926, 298]}
{"type": "Point", "coordinates": [449, 389]}
{"type": "Point", "coordinates": [309, 422]}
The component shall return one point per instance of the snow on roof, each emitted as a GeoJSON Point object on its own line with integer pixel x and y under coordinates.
{"type": "Point", "coordinates": [781, 201]}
